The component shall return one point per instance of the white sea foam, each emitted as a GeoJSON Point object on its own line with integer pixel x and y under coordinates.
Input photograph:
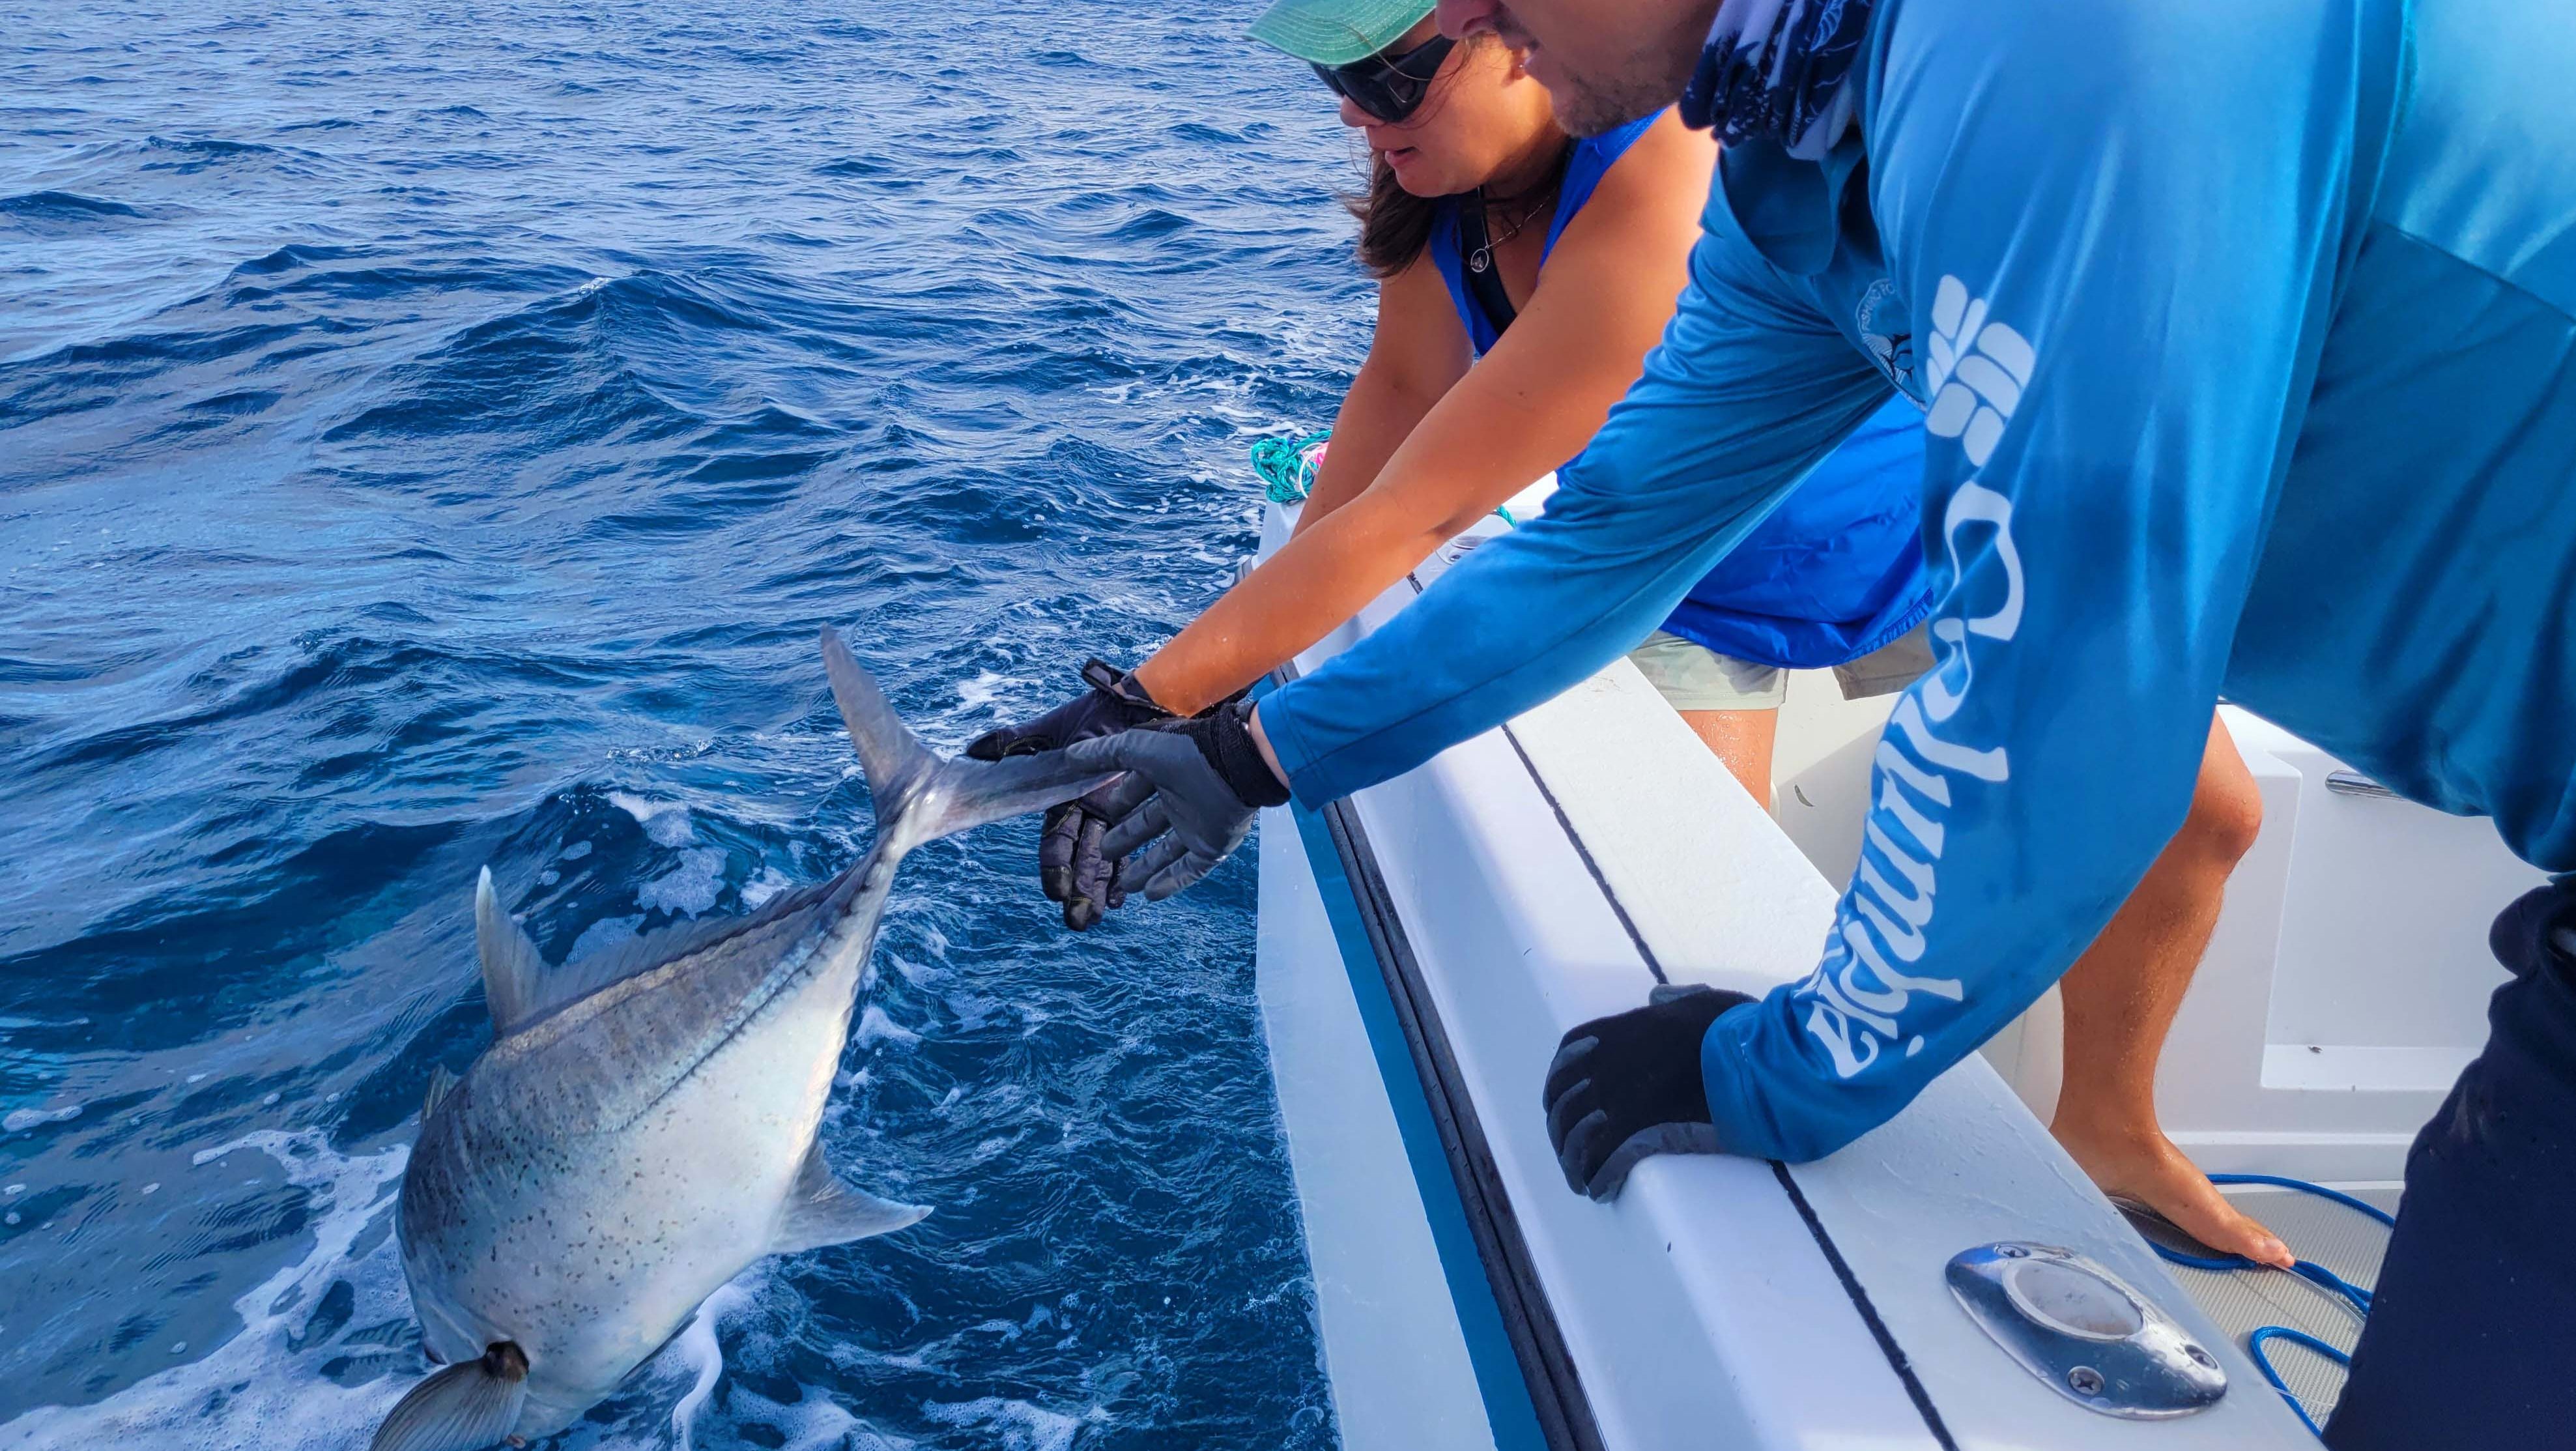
{"type": "Point", "coordinates": [695, 1347]}
{"type": "Point", "coordinates": [875, 1027]}
{"type": "Point", "coordinates": [666, 822]}
{"type": "Point", "coordinates": [689, 888]}
{"type": "Point", "coordinates": [1019, 1425]}
{"type": "Point", "coordinates": [815, 1423]}
{"type": "Point", "coordinates": [916, 973]}
{"type": "Point", "coordinates": [258, 1389]}
{"type": "Point", "coordinates": [683, 1376]}
{"type": "Point", "coordinates": [987, 687]}
{"type": "Point", "coordinates": [29, 1118]}
{"type": "Point", "coordinates": [768, 884]}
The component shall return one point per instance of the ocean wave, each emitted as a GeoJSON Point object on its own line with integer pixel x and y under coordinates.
{"type": "Point", "coordinates": [63, 206]}
{"type": "Point", "coordinates": [556, 372]}
{"type": "Point", "coordinates": [190, 156]}
{"type": "Point", "coordinates": [209, 147]}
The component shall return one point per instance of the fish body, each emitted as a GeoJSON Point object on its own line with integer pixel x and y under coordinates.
{"type": "Point", "coordinates": [643, 1126]}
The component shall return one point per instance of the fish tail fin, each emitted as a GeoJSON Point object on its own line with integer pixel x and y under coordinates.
{"type": "Point", "coordinates": [921, 796]}
{"type": "Point", "coordinates": [466, 1407]}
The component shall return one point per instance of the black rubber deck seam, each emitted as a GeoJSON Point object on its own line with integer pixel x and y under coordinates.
{"type": "Point", "coordinates": [1556, 1388]}
{"type": "Point", "coordinates": [1897, 1359]}
{"type": "Point", "coordinates": [1618, 908]}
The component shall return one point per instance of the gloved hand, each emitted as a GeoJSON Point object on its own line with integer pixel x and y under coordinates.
{"type": "Point", "coordinates": [1071, 867]}
{"type": "Point", "coordinates": [1187, 798]}
{"type": "Point", "coordinates": [1114, 701]}
{"type": "Point", "coordinates": [1629, 1085]}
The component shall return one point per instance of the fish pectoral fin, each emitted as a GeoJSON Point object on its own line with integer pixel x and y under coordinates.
{"type": "Point", "coordinates": [440, 1082]}
{"type": "Point", "coordinates": [512, 970]}
{"type": "Point", "coordinates": [465, 1407]}
{"type": "Point", "coordinates": [838, 1217]}
{"type": "Point", "coordinates": [822, 1210]}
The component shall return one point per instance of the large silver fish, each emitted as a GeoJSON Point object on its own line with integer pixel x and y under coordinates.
{"type": "Point", "coordinates": [642, 1127]}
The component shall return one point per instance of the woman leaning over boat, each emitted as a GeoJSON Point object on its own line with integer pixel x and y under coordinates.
{"type": "Point", "coordinates": [1523, 276]}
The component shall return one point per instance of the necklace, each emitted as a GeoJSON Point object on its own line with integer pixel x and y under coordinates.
{"type": "Point", "coordinates": [1541, 200]}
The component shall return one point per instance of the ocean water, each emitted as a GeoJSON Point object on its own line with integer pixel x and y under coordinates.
{"type": "Point", "coordinates": [430, 436]}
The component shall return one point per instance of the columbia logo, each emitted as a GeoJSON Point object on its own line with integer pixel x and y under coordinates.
{"type": "Point", "coordinates": [1976, 372]}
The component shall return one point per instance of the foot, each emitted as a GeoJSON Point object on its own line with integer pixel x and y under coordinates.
{"type": "Point", "coordinates": [2146, 1167]}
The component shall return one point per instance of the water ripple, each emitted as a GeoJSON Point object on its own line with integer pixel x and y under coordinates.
{"type": "Point", "coordinates": [434, 441]}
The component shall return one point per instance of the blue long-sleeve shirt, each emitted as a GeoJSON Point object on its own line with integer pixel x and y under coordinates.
{"type": "Point", "coordinates": [2247, 340]}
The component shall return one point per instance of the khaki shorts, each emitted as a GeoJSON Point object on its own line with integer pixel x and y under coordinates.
{"type": "Point", "coordinates": [1691, 676]}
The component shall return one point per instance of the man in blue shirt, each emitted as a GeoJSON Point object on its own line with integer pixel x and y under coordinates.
{"type": "Point", "coordinates": [2247, 340]}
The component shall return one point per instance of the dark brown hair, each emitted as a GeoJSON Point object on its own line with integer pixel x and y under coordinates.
{"type": "Point", "coordinates": [1395, 225]}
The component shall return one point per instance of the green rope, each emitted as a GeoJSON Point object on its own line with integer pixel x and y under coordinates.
{"type": "Point", "coordinates": [1286, 466]}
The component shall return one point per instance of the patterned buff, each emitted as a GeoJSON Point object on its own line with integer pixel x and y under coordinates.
{"type": "Point", "coordinates": [1776, 68]}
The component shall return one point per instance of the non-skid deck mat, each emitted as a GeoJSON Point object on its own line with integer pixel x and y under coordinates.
{"type": "Point", "coordinates": [2241, 1301]}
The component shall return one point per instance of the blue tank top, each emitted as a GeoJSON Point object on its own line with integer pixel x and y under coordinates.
{"type": "Point", "coordinates": [1837, 570]}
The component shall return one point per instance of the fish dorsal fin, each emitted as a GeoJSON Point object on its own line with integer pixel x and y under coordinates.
{"type": "Point", "coordinates": [466, 1407]}
{"type": "Point", "coordinates": [528, 989]}
{"type": "Point", "coordinates": [619, 961]}
{"type": "Point", "coordinates": [440, 1081]}
{"type": "Point", "coordinates": [822, 1210]}
{"type": "Point", "coordinates": [512, 969]}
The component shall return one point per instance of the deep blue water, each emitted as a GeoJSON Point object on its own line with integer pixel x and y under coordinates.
{"type": "Point", "coordinates": [431, 435]}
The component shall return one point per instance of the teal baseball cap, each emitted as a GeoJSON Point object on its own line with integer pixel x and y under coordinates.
{"type": "Point", "coordinates": [1337, 32]}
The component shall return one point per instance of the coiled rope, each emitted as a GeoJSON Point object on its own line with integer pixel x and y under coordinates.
{"type": "Point", "coordinates": [2309, 1270]}
{"type": "Point", "coordinates": [1286, 466]}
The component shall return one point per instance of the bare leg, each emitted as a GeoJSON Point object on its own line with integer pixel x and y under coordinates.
{"type": "Point", "coordinates": [2121, 996]}
{"type": "Point", "coordinates": [1741, 739]}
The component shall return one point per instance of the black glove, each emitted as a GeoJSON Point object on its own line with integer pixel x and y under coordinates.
{"type": "Point", "coordinates": [1071, 867]}
{"type": "Point", "coordinates": [1114, 702]}
{"type": "Point", "coordinates": [1194, 784]}
{"type": "Point", "coordinates": [1626, 1086]}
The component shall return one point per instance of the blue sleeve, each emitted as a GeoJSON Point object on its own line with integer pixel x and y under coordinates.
{"type": "Point", "coordinates": [1747, 391]}
{"type": "Point", "coordinates": [2117, 229]}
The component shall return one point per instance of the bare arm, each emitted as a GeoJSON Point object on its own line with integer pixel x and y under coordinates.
{"type": "Point", "coordinates": [1419, 352]}
{"type": "Point", "coordinates": [1535, 400]}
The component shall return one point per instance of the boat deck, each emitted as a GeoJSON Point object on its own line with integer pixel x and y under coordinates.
{"type": "Point", "coordinates": [1438, 932]}
{"type": "Point", "coordinates": [2243, 1301]}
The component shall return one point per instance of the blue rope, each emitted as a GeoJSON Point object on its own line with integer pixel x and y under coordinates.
{"type": "Point", "coordinates": [2309, 1270]}
{"type": "Point", "coordinates": [2303, 1186]}
{"type": "Point", "coordinates": [2263, 1362]}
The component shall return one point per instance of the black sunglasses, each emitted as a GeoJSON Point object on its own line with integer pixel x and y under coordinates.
{"type": "Point", "coordinates": [1390, 88]}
